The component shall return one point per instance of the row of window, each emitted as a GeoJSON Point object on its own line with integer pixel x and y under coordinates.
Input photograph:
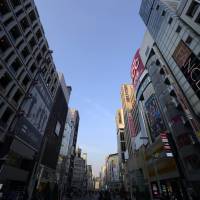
{"type": "Point", "coordinates": [17, 65]}
{"type": "Point", "coordinates": [194, 6]}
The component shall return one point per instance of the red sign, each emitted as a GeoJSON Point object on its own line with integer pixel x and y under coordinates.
{"type": "Point", "coordinates": [137, 68]}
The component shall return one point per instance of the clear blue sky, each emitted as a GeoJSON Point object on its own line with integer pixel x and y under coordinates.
{"type": "Point", "coordinates": [94, 42]}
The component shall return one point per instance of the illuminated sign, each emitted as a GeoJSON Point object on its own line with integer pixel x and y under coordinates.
{"type": "Point", "coordinates": [137, 68]}
{"type": "Point", "coordinates": [166, 145]}
{"type": "Point", "coordinates": [189, 65]}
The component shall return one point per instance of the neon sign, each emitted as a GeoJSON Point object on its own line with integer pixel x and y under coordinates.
{"type": "Point", "coordinates": [137, 68]}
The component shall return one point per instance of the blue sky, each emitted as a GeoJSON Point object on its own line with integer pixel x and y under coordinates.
{"type": "Point", "coordinates": [94, 42]}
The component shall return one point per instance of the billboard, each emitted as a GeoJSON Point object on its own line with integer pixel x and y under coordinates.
{"type": "Point", "coordinates": [167, 147]}
{"type": "Point", "coordinates": [137, 68]}
{"type": "Point", "coordinates": [189, 65]}
{"type": "Point", "coordinates": [36, 109]}
{"type": "Point", "coordinates": [154, 118]}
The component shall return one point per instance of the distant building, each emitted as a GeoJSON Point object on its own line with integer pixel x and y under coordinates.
{"type": "Point", "coordinates": [72, 125]}
{"type": "Point", "coordinates": [89, 178]}
{"type": "Point", "coordinates": [79, 178]}
{"type": "Point", "coordinates": [121, 143]}
{"type": "Point", "coordinates": [97, 183]}
{"type": "Point", "coordinates": [112, 172]}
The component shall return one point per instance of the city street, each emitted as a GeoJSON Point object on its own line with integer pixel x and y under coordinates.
{"type": "Point", "coordinates": [99, 100]}
{"type": "Point", "coordinates": [92, 197]}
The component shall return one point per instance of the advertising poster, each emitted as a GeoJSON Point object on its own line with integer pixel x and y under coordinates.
{"type": "Point", "coordinates": [36, 110]}
{"type": "Point", "coordinates": [189, 65]}
{"type": "Point", "coordinates": [156, 123]}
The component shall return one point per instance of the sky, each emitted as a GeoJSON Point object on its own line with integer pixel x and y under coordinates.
{"type": "Point", "coordinates": [93, 43]}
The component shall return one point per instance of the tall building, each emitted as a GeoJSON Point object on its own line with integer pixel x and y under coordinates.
{"type": "Point", "coordinates": [121, 143]}
{"type": "Point", "coordinates": [72, 128]}
{"type": "Point", "coordinates": [79, 173]}
{"type": "Point", "coordinates": [52, 143]}
{"type": "Point", "coordinates": [127, 98]}
{"type": "Point", "coordinates": [173, 66]}
{"type": "Point", "coordinates": [29, 85]}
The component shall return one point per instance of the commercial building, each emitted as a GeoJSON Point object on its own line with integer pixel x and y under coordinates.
{"type": "Point", "coordinates": [102, 177]}
{"type": "Point", "coordinates": [79, 179]}
{"type": "Point", "coordinates": [72, 129]}
{"type": "Point", "coordinates": [112, 172]}
{"type": "Point", "coordinates": [121, 144]}
{"type": "Point", "coordinates": [173, 66]}
{"type": "Point", "coordinates": [47, 180]}
{"type": "Point", "coordinates": [90, 186]}
{"type": "Point", "coordinates": [127, 98]}
{"type": "Point", "coordinates": [29, 85]}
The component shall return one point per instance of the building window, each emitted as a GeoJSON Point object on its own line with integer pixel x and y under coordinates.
{"type": "Point", "coordinates": [189, 40]}
{"type": "Point", "coordinates": [25, 52]}
{"type": "Point", "coordinates": [39, 34]}
{"type": "Point", "coordinates": [18, 13]}
{"type": "Point", "coordinates": [15, 3]}
{"type": "Point", "coordinates": [48, 81]}
{"type": "Point", "coordinates": [39, 58]}
{"type": "Point", "coordinates": [24, 23]}
{"type": "Point", "coordinates": [15, 32]}
{"type": "Point", "coordinates": [197, 20]}
{"type": "Point", "coordinates": [170, 20]}
{"type": "Point", "coordinates": [163, 13]}
{"type": "Point", "coordinates": [20, 75]}
{"type": "Point", "coordinates": [178, 30]}
{"type": "Point", "coordinates": [193, 8]}
{"type": "Point", "coordinates": [18, 95]}
{"type": "Point", "coordinates": [157, 7]}
{"type": "Point", "coordinates": [16, 65]}
{"type": "Point", "coordinates": [28, 6]}
{"type": "Point", "coordinates": [1, 105]}
{"type": "Point", "coordinates": [44, 49]}
{"type": "Point", "coordinates": [8, 21]}
{"type": "Point", "coordinates": [4, 9]}
{"type": "Point", "coordinates": [10, 90]}
{"type": "Point", "coordinates": [6, 115]}
{"type": "Point", "coordinates": [4, 44]}
{"type": "Point", "coordinates": [33, 68]}
{"type": "Point", "coordinates": [26, 80]}
{"type": "Point", "coordinates": [32, 16]}
{"type": "Point", "coordinates": [32, 42]}
{"type": "Point", "coordinates": [5, 80]}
